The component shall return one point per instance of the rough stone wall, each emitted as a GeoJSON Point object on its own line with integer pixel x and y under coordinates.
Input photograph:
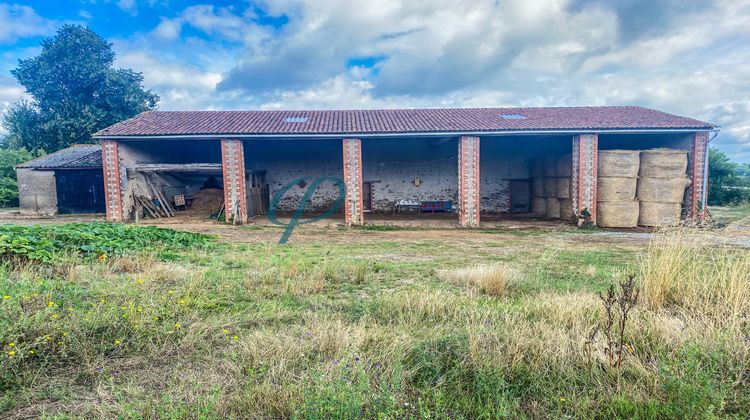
{"type": "Point", "coordinates": [37, 191]}
{"type": "Point", "coordinates": [501, 162]}
{"type": "Point", "coordinates": [393, 165]}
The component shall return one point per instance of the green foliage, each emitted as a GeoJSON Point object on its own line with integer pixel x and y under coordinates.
{"type": "Point", "coordinates": [75, 90]}
{"type": "Point", "coordinates": [725, 186]}
{"type": "Point", "coordinates": [51, 244]}
{"type": "Point", "coordinates": [9, 158]}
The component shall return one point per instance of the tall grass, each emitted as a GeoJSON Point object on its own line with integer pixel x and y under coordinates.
{"type": "Point", "coordinates": [690, 270]}
{"type": "Point", "coordinates": [491, 279]}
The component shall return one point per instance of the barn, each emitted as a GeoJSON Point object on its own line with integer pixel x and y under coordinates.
{"type": "Point", "coordinates": [64, 182]}
{"type": "Point", "coordinates": [464, 163]}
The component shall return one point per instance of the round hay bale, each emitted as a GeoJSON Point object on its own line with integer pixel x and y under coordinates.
{"type": "Point", "coordinates": [553, 208]}
{"type": "Point", "coordinates": [550, 166]}
{"type": "Point", "coordinates": [664, 163]}
{"type": "Point", "coordinates": [619, 163]}
{"type": "Point", "coordinates": [563, 187]}
{"type": "Point", "coordinates": [656, 214]}
{"type": "Point", "coordinates": [616, 189]}
{"type": "Point", "coordinates": [539, 205]}
{"type": "Point", "coordinates": [566, 209]}
{"type": "Point", "coordinates": [550, 187]}
{"type": "Point", "coordinates": [537, 186]}
{"type": "Point", "coordinates": [565, 166]}
{"type": "Point", "coordinates": [669, 190]}
{"type": "Point", "coordinates": [617, 214]}
{"type": "Point", "coordinates": [537, 168]}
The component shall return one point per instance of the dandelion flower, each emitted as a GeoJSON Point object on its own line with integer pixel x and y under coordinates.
{"type": "Point", "coordinates": [11, 353]}
{"type": "Point", "coordinates": [103, 257]}
{"type": "Point", "coordinates": [178, 326]}
{"type": "Point", "coordinates": [562, 399]}
{"type": "Point", "coordinates": [50, 304]}
{"type": "Point", "coordinates": [234, 337]}
{"type": "Point", "coordinates": [181, 302]}
{"type": "Point", "coordinates": [55, 316]}
{"type": "Point", "coordinates": [170, 292]}
{"type": "Point", "coordinates": [118, 342]}
{"type": "Point", "coordinates": [6, 297]}
{"type": "Point", "coordinates": [226, 331]}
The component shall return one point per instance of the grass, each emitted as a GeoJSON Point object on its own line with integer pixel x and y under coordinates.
{"type": "Point", "coordinates": [730, 214]}
{"type": "Point", "coordinates": [362, 327]}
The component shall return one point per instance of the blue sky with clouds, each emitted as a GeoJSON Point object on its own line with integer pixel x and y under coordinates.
{"type": "Point", "coordinates": [687, 57]}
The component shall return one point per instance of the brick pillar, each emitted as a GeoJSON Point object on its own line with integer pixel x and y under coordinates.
{"type": "Point", "coordinates": [233, 169]}
{"type": "Point", "coordinates": [112, 180]}
{"type": "Point", "coordinates": [698, 170]}
{"type": "Point", "coordinates": [585, 174]}
{"type": "Point", "coordinates": [468, 181]}
{"type": "Point", "coordinates": [353, 207]}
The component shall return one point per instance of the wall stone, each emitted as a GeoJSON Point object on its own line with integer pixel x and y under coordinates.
{"type": "Point", "coordinates": [37, 192]}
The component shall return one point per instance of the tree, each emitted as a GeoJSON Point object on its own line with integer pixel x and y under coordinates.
{"type": "Point", "coordinates": [725, 186]}
{"type": "Point", "coordinates": [9, 158]}
{"type": "Point", "coordinates": [75, 90]}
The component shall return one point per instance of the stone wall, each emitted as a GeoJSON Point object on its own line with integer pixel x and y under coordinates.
{"type": "Point", "coordinates": [37, 191]}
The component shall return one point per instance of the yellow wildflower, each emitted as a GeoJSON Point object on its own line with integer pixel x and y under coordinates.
{"type": "Point", "coordinates": [11, 344]}
{"type": "Point", "coordinates": [11, 353]}
{"type": "Point", "coordinates": [6, 297]}
{"type": "Point", "coordinates": [32, 352]}
{"type": "Point", "coordinates": [234, 337]}
{"type": "Point", "coordinates": [181, 302]}
{"type": "Point", "coordinates": [170, 292]}
{"type": "Point", "coordinates": [103, 257]}
{"type": "Point", "coordinates": [226, 331]}
{"type": "Point", "coordinates": [50, 304]}
{"type": "Point", "coordinates": [118, 342]}
{"type": "Point", "coordinates": [139, 281]}
{"type": "Point", "coordinates": [563, 399]}
{"type": "Point", "coordinates": [55, 316]}
{"type": "Point", "coordinates": [178, 326]}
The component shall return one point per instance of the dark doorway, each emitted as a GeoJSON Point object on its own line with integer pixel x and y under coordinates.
{"type": "Point", "coordinates": [520, 196]}
{"type": "Point", "coordinates": [367, 196]}
{"type": "Point", "coordinates": [80, 191]}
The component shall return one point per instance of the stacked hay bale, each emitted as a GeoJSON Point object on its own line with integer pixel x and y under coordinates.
{"type": "Point", "coordinates": [661, 186]}
{"type": "Point", "coordinates": [616, 191]}
{"type": "Point", "coordinates": [550, 187]}
{"type": "Point", "coordinates": [564, 174]}
{"type": "Point", "coordinates": [538, 199]}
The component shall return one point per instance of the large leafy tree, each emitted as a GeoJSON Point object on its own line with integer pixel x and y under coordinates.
{"type": "Point", "coordinates": [725, 185]}
{"type": "Point", "coordinates": [75, 92]}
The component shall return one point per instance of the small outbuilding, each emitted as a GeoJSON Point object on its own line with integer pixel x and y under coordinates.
{"type": "Point", "coordinates": [64, 182]}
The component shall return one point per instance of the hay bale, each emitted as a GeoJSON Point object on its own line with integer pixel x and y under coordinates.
{"type": "Point", "coordinates": [663, 163]}
{"type": "Point", "coordinates": [656, 214]}
{"type": "Point", "coordinates": [206, 202]}
{"type": "Point", "coordinates": [550, 187]}
{"type": "Point", "coordinates": [619, 163]}
{"type": "Point", "coordinates": [563, 187]}
{"type": "Point", "coordinates": [616, 189]}
{"type": "Point", "coordinates": [553, 208]}
{"type": "Point", "coordinates": [566, 209]}
{"type": "Point", "coordinates": [537, 186]}
{"type": "Point", "coordinates": [565, 166]}
{"type": "Point", "coordinates": [617, 213]}
{"type": "Point", "coordinates": [550, 166]}
{"type": "Point", "coordinates": [666, 190]}
{"type": "Point", "coordinates": [539, 205]}
{"type": "Point", "coordinates": [536, 168]}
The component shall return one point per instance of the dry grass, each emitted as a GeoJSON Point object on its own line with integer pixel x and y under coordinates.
{"type": "Point", "coordinates": [491, 280]}
{"type": "Point", "coordinates": [688, 269]}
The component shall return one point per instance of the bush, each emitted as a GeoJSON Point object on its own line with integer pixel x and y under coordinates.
{"type": "Point", "coordinates": [725, 185]}
{"type": "Point", "coordinates": [9, 158]}
{"type": "Point", "coordinates": [50, 244]}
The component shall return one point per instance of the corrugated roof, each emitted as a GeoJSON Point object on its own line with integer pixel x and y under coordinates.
{"type": "Point", "coordinates": [76, 156]}
{"type": "Point", "coordinates": [397, 121]}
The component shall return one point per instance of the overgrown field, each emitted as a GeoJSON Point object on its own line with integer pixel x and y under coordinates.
{"type": "Point", "coordinates": [487, 325]}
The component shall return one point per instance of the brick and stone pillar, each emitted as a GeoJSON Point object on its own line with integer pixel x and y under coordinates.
{"type": "Point", "coordinates": [233, 169]}
{"type": "Point", "coordinates": [112, 180]}
{"type": "Point", "coordinates": [698, 171]}
{"type": "Point", "coordinates": [468, 182]}
{"type": "Point", "coordinates": [353, 207]}
{"type": "Point", "coordinates": [585, 174]}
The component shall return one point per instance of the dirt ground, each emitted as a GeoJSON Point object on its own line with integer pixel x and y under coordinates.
{"type": "Point", "coordinates": [401, 228]}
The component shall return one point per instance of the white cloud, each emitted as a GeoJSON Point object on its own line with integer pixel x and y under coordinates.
{"type": "Point", "coordinates": [18, 21]}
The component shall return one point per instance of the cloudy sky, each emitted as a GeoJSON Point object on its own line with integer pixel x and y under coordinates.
{"type": "Point", "coordinates": [687, 57]}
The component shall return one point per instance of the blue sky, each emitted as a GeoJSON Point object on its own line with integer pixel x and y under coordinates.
{"type": "Point", "coordinates": [687, 57]}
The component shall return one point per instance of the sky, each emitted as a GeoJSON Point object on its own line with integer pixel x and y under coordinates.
{"type": "Point", "coordinates": [686, 57]}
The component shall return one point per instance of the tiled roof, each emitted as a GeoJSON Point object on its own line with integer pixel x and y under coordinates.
{"type": "Point", "coordinates": [76, 156]}
{"type": "Point", "coordinates": [392, 121]}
